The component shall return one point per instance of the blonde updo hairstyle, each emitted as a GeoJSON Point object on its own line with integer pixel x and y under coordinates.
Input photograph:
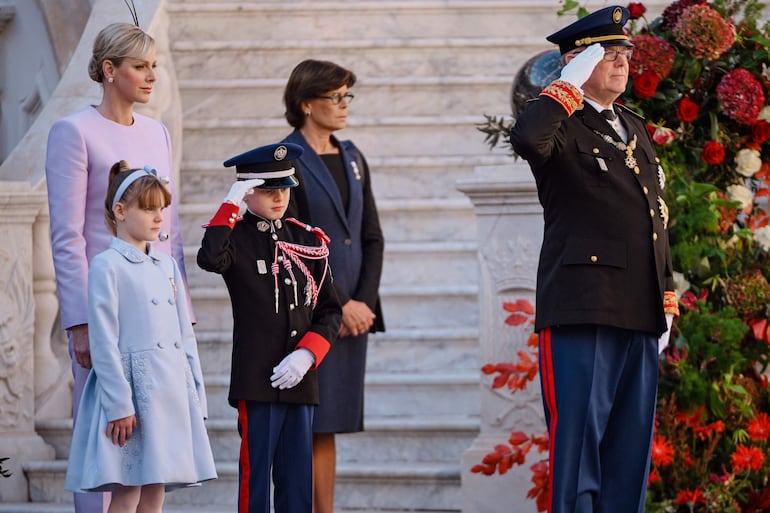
{"type": "Point", "coordinates": [147, 192]}
{"type": "Point", "coordinates": [114, 43]}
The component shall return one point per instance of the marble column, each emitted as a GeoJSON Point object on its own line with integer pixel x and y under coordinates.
{"type": "Point", "coordinates": [509, 228]}
{"type": "Point", "coordinates": [18, 439]}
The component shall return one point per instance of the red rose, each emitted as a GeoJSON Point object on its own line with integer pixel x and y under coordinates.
{"type": "Point", "coordinates": [637, 10]}
{"type": "Point", "coordinates": [687, 110]}
{"type": "Point", "coordinates": [760, 131]}
{"type": "Point", "coordinates": [646, 84]}
{"type": "Point", "coordinates": [713, 153]}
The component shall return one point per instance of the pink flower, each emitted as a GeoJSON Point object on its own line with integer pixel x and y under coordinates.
{"type": "Point", "coordinates": [704, 32]}
{"type": "Point", "coordinates": [740, 96]}
{"type": "Point", "coordinates": [672, 13]}
{"type": "Point", "coordinates": [663, 135]}
{"type": "Point", "coordinates": [651, 54]}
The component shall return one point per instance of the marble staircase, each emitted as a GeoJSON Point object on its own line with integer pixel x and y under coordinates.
{"type": "Point", "coordinates": [428, 70]}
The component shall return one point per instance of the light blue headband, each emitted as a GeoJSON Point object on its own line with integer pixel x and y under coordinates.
{"type": "Point", "coordinates": [135, 175]}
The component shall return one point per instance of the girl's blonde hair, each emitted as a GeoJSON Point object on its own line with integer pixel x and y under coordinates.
{"type": "Point", "coordinates": [114, 43]}
{"type": "Point", "coordinates": [146, 192]}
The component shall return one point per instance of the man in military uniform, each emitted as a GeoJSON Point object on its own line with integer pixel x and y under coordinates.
{"type": "Point", "coordinates": [285, 316]}
{"type": "Point", "coordinates": [605, 294]}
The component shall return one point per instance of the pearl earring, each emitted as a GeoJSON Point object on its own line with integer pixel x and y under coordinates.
{"type": "Point", "coordinates": [110, 80]}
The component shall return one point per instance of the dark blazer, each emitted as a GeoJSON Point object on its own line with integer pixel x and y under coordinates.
{"type": "Point", "coordinates": [262, 337]}
{"type": "Point", "coordinates": [605, 257]}
{"type": "Point", "coordinates": [356, 250]}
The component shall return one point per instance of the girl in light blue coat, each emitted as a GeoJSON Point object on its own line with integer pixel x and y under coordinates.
{"type": "Point", "coordinates": [143, 407]}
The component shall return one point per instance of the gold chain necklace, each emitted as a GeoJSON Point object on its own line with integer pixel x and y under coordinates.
{"type": "Point", "coordinates": [628, 149]}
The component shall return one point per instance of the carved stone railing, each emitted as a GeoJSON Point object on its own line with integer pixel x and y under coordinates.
{"type": "Point", "coordinates": [35, 380]}
{"type": "Point", "coordinates": [509, 227]}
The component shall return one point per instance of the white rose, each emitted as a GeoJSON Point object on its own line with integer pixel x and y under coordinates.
{"type": "Point", "coordinates": [764, 114]}
{"type": "Point", "coordinates": [762, 236]}
{"type": "Point", "coordinates": [747, 162]}
{"type": "Point", "coordinates": [740, 194]}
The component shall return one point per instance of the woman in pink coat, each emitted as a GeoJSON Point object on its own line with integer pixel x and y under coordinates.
{"type": "Point", "coordinates": [81, 149]}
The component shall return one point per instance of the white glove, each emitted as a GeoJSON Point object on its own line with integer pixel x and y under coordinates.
{"type": "Point", "coordinates": [240, 189]}
{"type": "Point", "coordinates": [579, 69]}
{"type": "Point", "coordinates": [292, 369]}
{"type": "Point", "coordinates": [663, 340]}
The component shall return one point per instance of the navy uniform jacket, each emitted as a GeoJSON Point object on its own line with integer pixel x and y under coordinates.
{"type": "Point", "coordinates": [356, 250]}
{"type": "Point", "coordinates": [605, 256]}
{"type": "Point", "coordinates": [243, 256]}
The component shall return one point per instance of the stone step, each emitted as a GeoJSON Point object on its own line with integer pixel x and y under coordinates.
{"type": "Point", "coordinates": [410, 220]}
{"type": "Point", "coordinates": [389, 395]}
{"type": "Point", "coordinates": [386, 57]}
{"type": "Point", "coordinates": [405, 350]}
{"type": "Point", "coordinates": [418, 263]}
{"type": "Point", "coordinates": [406, 307]}
{"type": "Point", "coordinates": [362, 20]}
{"type": "Point", "coordinates": [413, 177]}
{"type": "Point", "coordinates": [261, 98]}
{"type": "Point", "coordinates": [219, 139]}
{"type": "Point", "coordinates": [370, 486]}
{"type": "Point", "coordinates": [404, 439]}
{"type": "Point", "coordinates": [429, 350]}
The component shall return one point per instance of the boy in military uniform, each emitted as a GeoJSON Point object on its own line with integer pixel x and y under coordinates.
{"type": "Point", "coordinates": [605, 291]}
{"type": "Point", "coordinates": [285, 316]}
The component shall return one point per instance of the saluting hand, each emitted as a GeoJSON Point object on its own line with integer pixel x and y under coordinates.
{"type": "Point", "coordinates": [579, 69]}
{"type": "Point", "coordinates": [240, 189]}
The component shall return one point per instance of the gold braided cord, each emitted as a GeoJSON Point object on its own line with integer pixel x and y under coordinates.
{"type": "Point", "coordinates": [585, 41]}
{"type": "Point", "coordinates": [566, 94]}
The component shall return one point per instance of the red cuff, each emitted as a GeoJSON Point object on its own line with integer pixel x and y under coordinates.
{"type": "Point", "coordinates": [227, 215]}
{"type": "Point", "coordinates": [316, 344]}
{"type": "Point", "coordinates": [670, 303]}
{"type": "Point", "coordinates": [564, 93]}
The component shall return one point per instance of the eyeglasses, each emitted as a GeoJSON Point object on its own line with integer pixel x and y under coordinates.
{"type": "Point", "coordinates": [337, 98]}
{"type": "Point", "coordinates": [612, 55]}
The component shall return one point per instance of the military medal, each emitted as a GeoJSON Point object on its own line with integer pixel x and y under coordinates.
{"type": "Point", "coordinates": [628, 149]}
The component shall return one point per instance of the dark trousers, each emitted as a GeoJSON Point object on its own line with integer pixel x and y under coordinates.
{"type": "Point", "coordinates": [276, 441]}
{"type": "Point", "coordinates": [599, 389]}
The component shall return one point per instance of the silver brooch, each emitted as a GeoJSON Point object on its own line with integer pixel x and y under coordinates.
{"type": "Point", "coordinates": [663, 208]}
{"type": "Point", "coordinates": [356, 172]}
{"type": "Point", "coordinates": [661, 177]}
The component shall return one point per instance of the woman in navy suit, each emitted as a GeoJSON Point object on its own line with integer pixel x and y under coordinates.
{"type": "Point", "coordinates": [335, 194]}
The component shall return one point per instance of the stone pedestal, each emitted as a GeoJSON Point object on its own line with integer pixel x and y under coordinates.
{"type": "Point", "coordinates": [509, 227]}
{"type": "Point", "coordinates": [18, 440]}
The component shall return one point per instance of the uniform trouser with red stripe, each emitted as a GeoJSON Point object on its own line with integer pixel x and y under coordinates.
{"type": "Point", "coordinates": [599, 389]}
{"type": "Point", "coordinates": [277, 441]}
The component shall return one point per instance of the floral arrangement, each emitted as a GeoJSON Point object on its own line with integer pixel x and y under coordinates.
{"type": "Point", "coordinates": [700, 76]}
